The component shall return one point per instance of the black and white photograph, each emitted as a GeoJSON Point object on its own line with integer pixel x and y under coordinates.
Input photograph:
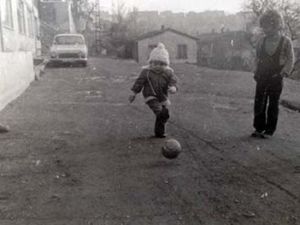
{"type": "Point", "coordinates": [149, 112]}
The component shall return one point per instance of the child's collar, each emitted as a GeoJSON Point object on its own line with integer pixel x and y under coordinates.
{"type": "Point", "coordinates": [148, 67]}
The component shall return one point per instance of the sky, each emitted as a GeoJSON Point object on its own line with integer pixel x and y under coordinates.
{"type": "Point", "coordinates": [230, 6]}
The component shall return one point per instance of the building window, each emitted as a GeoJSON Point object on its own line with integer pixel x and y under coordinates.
{"type": "Point", "coordinates": [36, 28]}
{"type": "Point", "coordinates": [21, 17]}
{"type": "Point", "coordinates": [181, 51]}
{"type": "Point", "coordinates": [8, 20]}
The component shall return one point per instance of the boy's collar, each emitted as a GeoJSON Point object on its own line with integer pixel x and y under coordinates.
{"type": "Point", "coordinates": [277, 35]}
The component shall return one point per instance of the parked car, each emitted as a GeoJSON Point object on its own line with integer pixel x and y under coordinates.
{"type": "Point", "coordinates": [69, 48]}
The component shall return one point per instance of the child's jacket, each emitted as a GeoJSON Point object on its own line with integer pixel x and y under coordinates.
{"type": "Point", "coordinates": [155, 84]}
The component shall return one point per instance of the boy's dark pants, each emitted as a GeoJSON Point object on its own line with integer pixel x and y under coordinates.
{"type": "Point", "coordinates": [162, 116]}
{"type": "Point", "coordinates": [266, 105]}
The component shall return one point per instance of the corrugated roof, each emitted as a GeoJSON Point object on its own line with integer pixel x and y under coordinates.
{"type": "Point", "coordinates": [158, 32]}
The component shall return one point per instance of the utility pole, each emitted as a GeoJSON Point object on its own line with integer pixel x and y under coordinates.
{"type": "Point", "coordinates": [98, 28]}
{"type": "Point", "coordinates": [1, 32]}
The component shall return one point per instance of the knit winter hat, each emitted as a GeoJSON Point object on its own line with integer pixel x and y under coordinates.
{"type": "Point", "coordinates": [160, 53]}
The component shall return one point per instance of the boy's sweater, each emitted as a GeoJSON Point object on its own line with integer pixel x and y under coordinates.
{"type": "Point", "coordinates": [155, 84]}
{"type": "Point", "coordinates": [286, 57]}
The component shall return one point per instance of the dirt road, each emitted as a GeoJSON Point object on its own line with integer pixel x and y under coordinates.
{"type": "Point", "coordinates": [79, 154]}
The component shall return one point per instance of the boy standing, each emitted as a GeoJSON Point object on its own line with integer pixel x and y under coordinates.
{"type": "Point", "coordinates": [156, 80]}
{"type": "Point", "coordinates": [274, 61]}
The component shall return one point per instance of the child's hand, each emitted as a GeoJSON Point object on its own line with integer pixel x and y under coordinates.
{"type": "Point", "coordinates": [172, 89]}
{"type": "Point", "coordinates": [131, 98]}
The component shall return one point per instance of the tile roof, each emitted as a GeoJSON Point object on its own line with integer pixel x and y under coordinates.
{"type": "Point", "coordinates": [158, 32]}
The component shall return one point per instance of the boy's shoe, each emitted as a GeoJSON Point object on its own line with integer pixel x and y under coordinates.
{"type": "Point", "coordinates": [268, 134]}
{"type": "Point", "coordinates": [4, 129]}
{"type": "Point", "coordinates": [257, 134]}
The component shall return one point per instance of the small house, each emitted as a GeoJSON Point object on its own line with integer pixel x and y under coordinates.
{"type": "Point", "coordinates": [182, 47]}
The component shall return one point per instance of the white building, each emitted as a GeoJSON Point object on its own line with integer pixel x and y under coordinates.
{"type": "Point", "coordinates": [19, 44]}
{"type": "Point", "coordinates": [20, 26]}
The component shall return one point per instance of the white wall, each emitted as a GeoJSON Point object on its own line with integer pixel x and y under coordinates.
{"type": "Point", "coordinates": [16, 73]}
{"type": "Point", "coordinates": [16, 59]}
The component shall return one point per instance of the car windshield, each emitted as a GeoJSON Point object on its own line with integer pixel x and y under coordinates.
{"type": "Point", "coordinates": [69, 40]}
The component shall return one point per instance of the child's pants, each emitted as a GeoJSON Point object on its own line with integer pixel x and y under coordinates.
{"type": "Point", "coordinates": [162, 116]}
{"type": "Point", "coordinates": [266, 105]}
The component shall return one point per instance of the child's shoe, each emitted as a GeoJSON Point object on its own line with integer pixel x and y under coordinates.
{"type": "Point", "coordinates": [4, 129]}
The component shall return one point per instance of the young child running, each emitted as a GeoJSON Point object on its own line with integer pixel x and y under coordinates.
{"type": "Point", "coordinates": [157, 80]}
{"type": "Point", "coordinates": [274, 61]}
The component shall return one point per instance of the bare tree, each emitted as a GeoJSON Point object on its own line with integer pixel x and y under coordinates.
{"type": "Point", "coordinates": [133, 26]}
{"type": "Point", "coordinates": [290, 10]}
{"type": "Point", "coordinates": [124, 28]}
{"type": "Point", "coordinates": [291, 13]}
{"type": "Point", "coordinates": [82, 11]}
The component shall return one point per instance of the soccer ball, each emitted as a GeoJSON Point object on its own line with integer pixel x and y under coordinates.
{"type": "Point", "coordinates": [171, 149]}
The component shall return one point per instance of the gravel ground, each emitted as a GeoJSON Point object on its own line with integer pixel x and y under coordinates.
{"type": "Point", "coordinates": [79, 154]}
